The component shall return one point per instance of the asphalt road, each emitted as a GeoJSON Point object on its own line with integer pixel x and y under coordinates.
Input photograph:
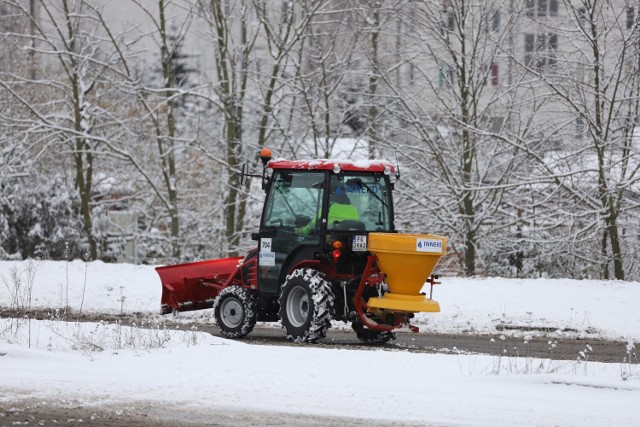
{"type": "Point", "coordinates": [498, 344]}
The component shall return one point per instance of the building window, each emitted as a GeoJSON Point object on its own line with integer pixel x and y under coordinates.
{"type": "Point", "coordinates": [495, 21]}
{"type": "Point", "coordinates": [496, 124]}
{"type": "Point", "coordinates": [580, 127]}
{"type": "Point", "coordinates": [411, 73]}
{"type": "Point", "coordinates": [631, 17]}
{"type": "Point", "coordinates": [541, 8]}
{"type": "Point", "coordinates": [446, 76]}
{"type": "Point", "coordinates": [287, 11]}
{"type": "Point", "coordinates": [492, 20]}
{"type": "Point", "coordinates": [448, 20]}
{"type": "Point", "coordinates": [583, 18]}
{"type": "Point", "coordinates": [540, 49]}
{"type": "Point", "coordinates": [529, 7]}
{"type": "Point", "coordinates": [493, 75]}
{"type": "Point", "coordinates": [529, 45]}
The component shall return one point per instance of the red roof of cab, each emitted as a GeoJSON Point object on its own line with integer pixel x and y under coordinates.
{"type": "Point", "coordinates": [328, 164]}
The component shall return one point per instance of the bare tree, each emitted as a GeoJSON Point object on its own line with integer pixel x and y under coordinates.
{"type": "Point", "coordinates": [65, 105]}
{"type": "Point", "coordinates": [284, 35]}
{"type": "Point", "coordinates": [160, 107]}
{"type": "Point", "coordinates": [327, 90]}
{"type": "Point", "coordinates": [232, 40]}
{"type": "Point", "coordinates": [457, 108]}
{"type": "Point", "coordinates": [585, 54]}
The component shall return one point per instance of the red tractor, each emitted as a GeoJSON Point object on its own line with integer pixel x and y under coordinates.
{"type": "Point", "coordinates": [327, 250]}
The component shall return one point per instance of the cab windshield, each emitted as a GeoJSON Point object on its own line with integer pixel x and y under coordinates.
{"type": "Point", "coordinates": [368, 194]}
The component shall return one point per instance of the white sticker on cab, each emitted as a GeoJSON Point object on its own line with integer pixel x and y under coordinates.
{"type": "Point", "coordinates": [359, 243]}
{"type": "Point", "coordinates": [267, 259]}
{"type": "Point", "coordinates": [265, 244]}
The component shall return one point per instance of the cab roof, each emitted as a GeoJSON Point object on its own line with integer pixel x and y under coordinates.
{"type": "Point", "coordinates": [329, 164]}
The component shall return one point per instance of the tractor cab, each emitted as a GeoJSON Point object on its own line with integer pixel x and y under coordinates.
{"type": "Point", "coordinates": [319, 213]}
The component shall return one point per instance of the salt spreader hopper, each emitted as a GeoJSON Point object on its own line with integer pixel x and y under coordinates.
{"type": "Point", "coordinates": [407, 261]}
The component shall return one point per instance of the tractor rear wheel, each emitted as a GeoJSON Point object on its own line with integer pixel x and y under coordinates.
{"type": "Point", "coordinates": [235, 312]}
{"type": "Point", "coordinates": [371, 336]}
{"type": "Point", "coordinates": [306, 305]}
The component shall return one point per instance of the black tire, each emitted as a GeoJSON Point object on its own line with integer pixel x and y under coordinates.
{"type": "Point", "coordinates": [235, 312]}
{"type": "Point", "coordinates": [306, 305]}
{"type": "Point", "coordinates": [371, 336]}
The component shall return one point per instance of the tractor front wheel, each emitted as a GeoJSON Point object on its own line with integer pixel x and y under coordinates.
{"type": "Point", "coordinates": [306, 305]}
{"type": "Point", "coordinates": [235, 312]}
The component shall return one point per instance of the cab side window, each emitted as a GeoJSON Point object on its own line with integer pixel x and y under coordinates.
{"type": "Point", "coordinates": [295, 199]}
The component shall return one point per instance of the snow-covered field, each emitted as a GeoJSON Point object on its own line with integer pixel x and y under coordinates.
{"type": "Point", "coordinates": [114, 364]}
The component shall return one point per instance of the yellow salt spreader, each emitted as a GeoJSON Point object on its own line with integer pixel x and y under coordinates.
{"type": "Point", "coordinates": [405, 263]}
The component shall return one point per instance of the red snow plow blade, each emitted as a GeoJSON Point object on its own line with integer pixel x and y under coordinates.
{"type": "Point", "coordinates": [195, 285]}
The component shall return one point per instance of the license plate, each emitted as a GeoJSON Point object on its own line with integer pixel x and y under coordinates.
{"type": "Point", "coordinates": [359, 244]}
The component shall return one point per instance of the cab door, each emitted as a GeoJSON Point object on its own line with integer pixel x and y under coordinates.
{"type": "Point", "coordinates": [290, 223]}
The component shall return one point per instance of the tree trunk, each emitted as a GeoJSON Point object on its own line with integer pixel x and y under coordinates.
{"type": "Point", "coordinates": [166, 146]}
{"type": "Point", "coordinates": [599, 138]}
{"type": "Point", "coordinates": [233, 206]}
{"type": "Point", "coordinates": [468, 215]}
{"type": "Point", "coordinates": [82, 151]}
{"type": "Point", "coordinates": [373, 83]}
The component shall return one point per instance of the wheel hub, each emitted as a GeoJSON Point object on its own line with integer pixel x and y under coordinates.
{"type": "Point", "coordinates": [298, 307]}
{"type": "Point", "coordinates": [232, 313]}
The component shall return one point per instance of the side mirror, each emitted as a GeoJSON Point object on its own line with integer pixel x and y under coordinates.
{"type": "Point", "coordinates": [243, 174]}
{"type": "Point", "coordinates": [265, 157]}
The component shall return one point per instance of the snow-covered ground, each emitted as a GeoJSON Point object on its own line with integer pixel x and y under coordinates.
{"type": "Point", "coordinates": [114, 364]}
